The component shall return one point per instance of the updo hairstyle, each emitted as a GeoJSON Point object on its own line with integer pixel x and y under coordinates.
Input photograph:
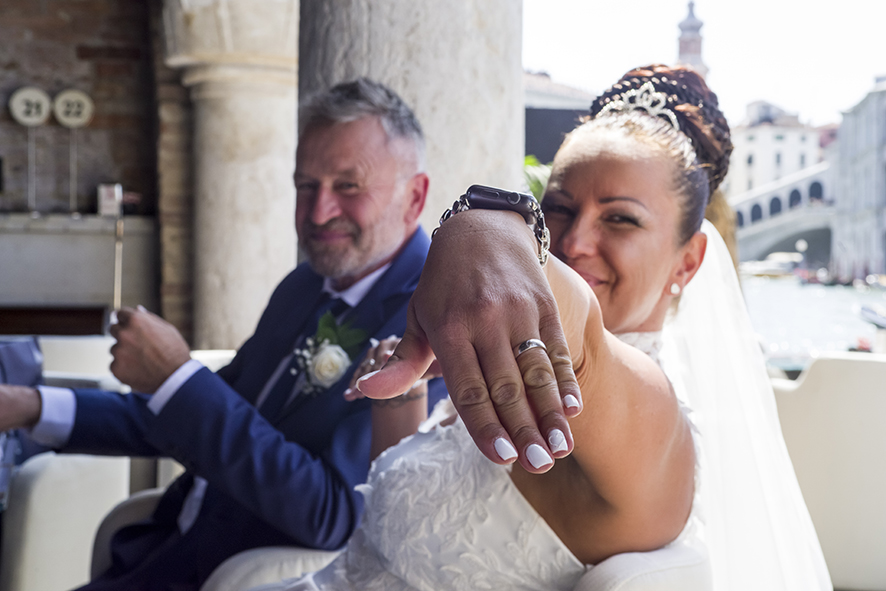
{"type": "Point", "coordinates": [700, 150]}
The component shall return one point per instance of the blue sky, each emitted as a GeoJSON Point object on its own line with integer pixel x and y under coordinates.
{"type": "Point", "coordinates": [812, 58]}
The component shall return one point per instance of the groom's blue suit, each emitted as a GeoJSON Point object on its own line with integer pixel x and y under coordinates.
{"type": "Point", "coordinates": [285, 480]}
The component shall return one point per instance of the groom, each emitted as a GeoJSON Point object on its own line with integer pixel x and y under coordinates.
{"type": "Point", "coordinates": [272, 449]}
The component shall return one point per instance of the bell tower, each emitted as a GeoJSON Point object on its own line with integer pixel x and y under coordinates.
{"type": "Point", "coordinates": [690, 42]}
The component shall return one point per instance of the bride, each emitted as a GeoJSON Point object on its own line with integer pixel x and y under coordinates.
{"type": "Point", "coordinates": [632, 469]}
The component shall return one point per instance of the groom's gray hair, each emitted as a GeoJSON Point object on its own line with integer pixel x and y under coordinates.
{"type": "Point", "coordinates": [350, 101]}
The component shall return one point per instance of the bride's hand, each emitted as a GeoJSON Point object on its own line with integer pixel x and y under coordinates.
{"type": "Point", "coordinates": [482, 293]}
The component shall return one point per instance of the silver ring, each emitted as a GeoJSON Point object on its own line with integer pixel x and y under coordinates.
{"type": "Point", "coordinates": [526, 345]}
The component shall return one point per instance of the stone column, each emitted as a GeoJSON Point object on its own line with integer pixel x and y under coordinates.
{"type": "Point", "coordinates": [458, 63]}
{"type": "Point", "coordinates": [240, 63]}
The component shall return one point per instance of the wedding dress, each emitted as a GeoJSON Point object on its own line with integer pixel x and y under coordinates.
{"type": "Point", "coordinates": [440, 515]}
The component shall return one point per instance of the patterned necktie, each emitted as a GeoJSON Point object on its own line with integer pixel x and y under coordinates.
{"type": "Point", "coordinates": [279, 395]}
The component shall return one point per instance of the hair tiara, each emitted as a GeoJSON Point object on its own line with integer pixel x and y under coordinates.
{"type": "Point", "coordinates": [680, 97]}
{"type": "Point", "coordinates": [645, 98]}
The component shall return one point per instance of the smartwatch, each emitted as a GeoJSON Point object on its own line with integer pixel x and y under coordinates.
{"type": "Point", "coordinates": [482, 197]}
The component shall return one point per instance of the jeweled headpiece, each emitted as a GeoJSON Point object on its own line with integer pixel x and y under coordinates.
{"type": "Point", "coordinates": [680, 97]}
{"type": "Point", "coordinates": [646, 98]}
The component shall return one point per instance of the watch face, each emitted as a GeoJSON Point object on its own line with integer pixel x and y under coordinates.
{"type": "Point", "coordinates": [481, 197]}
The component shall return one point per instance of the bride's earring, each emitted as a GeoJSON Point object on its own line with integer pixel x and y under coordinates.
{"type": "Point", "coordinates": [675, 289]}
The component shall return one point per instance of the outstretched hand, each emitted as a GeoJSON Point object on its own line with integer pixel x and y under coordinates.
{"type": "Point", "coordinates": [376, 356]}
{"type": "Point", "coordinates": [482, 293]}
{"type": "Point", "coordinates": [148, 349]}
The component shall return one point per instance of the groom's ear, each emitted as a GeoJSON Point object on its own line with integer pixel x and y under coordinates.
{"type": "Point", "coordinates": [416, 194]}
{"type": "Point", "coordinates": [691, 259]}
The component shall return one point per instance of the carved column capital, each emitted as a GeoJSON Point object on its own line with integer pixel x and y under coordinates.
{"type": "Point", "coordinates": [246, 33]}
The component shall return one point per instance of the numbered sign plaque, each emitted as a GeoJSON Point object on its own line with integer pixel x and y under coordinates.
{"type": "Point", "coordinates": [30, 106]}
{"type": "Point", "coordinates": [73, 108]}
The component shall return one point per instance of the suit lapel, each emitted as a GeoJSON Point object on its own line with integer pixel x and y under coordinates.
{"type": "Point", "coordinates": [288, 324]}
{"type": "Point", "coordinates": [293, 323]}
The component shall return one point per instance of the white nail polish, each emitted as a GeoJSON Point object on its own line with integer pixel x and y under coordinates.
{"type": "Point", "coordinates": [373, 343]}
{"type": "Point", "coordinates": [504, 449]}
{"type": "Point", "coordinates": [141, 308]}
{"type": "Point", "coordinates": [365, 377]}
{"type": "Point", "coordinates": [537, 456]}
{"type": "Point", "coordinates": [570, 401]}
{"type": "Point", "coordinates": [557, 441]}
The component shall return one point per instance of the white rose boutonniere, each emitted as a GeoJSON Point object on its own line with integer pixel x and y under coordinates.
{"type": "Point", "coordinates": [328, 365]}
{"type": "Point", "coordinates": [327, 355]}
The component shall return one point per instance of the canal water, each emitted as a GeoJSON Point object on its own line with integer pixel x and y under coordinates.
{"type": "Point", "coordinates": [796, 322]}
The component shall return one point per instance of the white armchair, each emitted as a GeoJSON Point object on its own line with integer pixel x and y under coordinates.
{"type": "Point", "coordinates": [242, 571]}
{"type": "Point", "coordinates": [834, 423]}
{"type": "Point", "coordinates": [136, 508]}
{"type": "Point", "coordinates": [678, 567]}
{"type": "Point", "coordinates": [55, 505]}
{"type": "Point", "coordinates": [265, 565]}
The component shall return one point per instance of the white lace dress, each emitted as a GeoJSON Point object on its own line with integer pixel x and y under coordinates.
{"type": "Point", "coordinates": [439, 515]}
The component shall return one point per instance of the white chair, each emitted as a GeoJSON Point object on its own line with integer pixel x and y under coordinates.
{"type": "Point", "coordinates": [56, 503]}
{"type": "Point", "coordinates": [136, 508]}
{"type": "Point", "coordinates": [265, 565]}
{"type": "Point", "coordinates": [242, 571]}
{"type": "Point", "coordinates": [679, 567]}
{"type": "Point", "coordinates": [89, 355]}
{"type": "Point", "coordinates": [834, 423]}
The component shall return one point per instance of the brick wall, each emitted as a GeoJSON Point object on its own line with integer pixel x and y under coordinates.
{"type": "Point", "coordinates": [141, 133]}
{"type": "Point", "coordinates": [103, 48]}
{"type": "Point", "coordinates": [175, 186]}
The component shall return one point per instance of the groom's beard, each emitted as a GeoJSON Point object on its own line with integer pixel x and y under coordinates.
{"type": "Point", "coordinates": [337, 259]}
{"type": "Point", "coordinates": [350, 257]}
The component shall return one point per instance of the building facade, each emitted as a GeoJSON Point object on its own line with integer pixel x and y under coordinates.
{"type": "Point", "coordinates": [860, 225]}
{"type": "Point", "coordinates": [768, 146]}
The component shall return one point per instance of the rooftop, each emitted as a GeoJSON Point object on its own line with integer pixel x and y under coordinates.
{"type": "Point", "coordinates": [543, 93]}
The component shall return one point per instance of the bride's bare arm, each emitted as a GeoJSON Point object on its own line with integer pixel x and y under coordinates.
{"type": "Point", "coordinates": [632, 441]}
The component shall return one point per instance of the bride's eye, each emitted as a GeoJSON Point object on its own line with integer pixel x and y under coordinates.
{"type": "Point", "coordinates": [619, 218]}
{"type": "Point", "coordinates": [555, 209]}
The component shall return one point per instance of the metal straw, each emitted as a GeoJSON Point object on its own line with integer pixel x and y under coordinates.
{"type": "Point", "coordinates": [72, 185]}
{"type": "Point", "coordinates": [118, 264]}
{"type": "Point", "coordinates": [32, 172]}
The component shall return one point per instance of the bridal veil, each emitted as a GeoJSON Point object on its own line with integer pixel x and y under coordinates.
{"type": "Point", "coordinates": [757, 529]}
